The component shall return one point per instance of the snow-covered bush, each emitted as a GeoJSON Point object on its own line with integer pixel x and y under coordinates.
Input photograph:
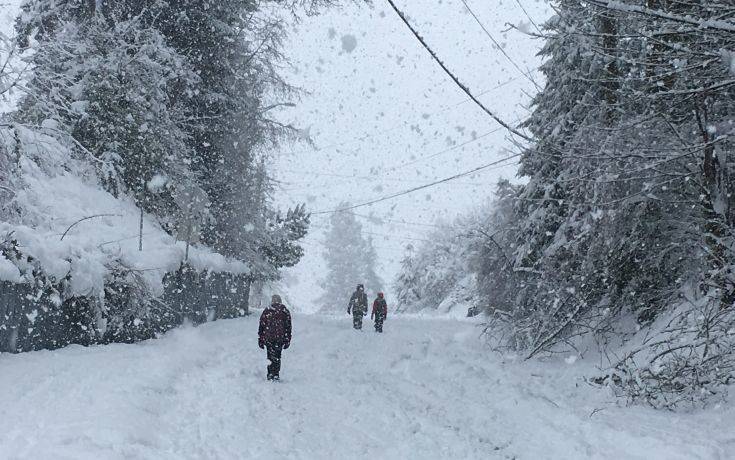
{"type": "Point", "coordinates": [440, 274]}
{"type": "Point", "coordinates": [70, 267]}
{"type": "Point", "coordinates": [687, 357]}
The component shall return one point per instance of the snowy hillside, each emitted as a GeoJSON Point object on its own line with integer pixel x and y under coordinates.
{"type": "Point", "coordinates": [424, 389]}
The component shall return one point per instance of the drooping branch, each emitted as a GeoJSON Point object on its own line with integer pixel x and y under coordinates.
{"type": "Point", "coordinates": [86, 218]}
{"type": "Point", "coordinates": [714, 24]}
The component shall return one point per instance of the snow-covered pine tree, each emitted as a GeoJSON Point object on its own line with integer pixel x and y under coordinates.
{"type": "Point", "coordinates": [116, 94]}
{"type": "Point", "coordinates": [373, 281]}
{"type": "Point", "coordinates": [349, 262]}
{"type": "Point", "coordinates": [550, 228]}
{"type": "Point", "coordinates": [234, 49]}
{"type": "Point", "coordinates": [406, 286]}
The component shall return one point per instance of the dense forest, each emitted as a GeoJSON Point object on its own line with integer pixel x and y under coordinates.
{"type": "Point", "coordinates": [620, 238]}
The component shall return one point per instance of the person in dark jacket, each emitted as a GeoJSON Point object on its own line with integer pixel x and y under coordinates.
{"type": "Point", "coordinates": [380, 312]}
{"type": "Point", "coordinates": [358, 306]}
{"type": "Point", "coordinates": [274, 334]}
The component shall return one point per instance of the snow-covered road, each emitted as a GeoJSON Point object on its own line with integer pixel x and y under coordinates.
{"type": "Point", "coordinates": [425, 389]}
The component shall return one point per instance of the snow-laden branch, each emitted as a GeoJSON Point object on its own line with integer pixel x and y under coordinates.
{"type": "Point", "coordinates": [714, 24]}
{"type": "Point", "coordinates": [86, 218]}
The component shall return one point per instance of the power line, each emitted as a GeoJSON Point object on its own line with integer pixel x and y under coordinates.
{"type": "Point", "coordinates": [389, 237]}
{"type": "Point", "coordinates": [487, 32]}
{"type": "Point", "coordinates": [323, 245]}
{"type": "Point", "coordinates": [374, 218]}
{"type": "Point", "coordinates": [403, 222]}
{"type": "Point", "coordinates": [382, 235]}
{"type": "Point", "coordinates": [402, 165]}
{"type": "Point", "coordinates": [365, 216]}
{"type": "Point", "coordinates": [450, 149]}
{"type": "Point", "coordinates": [454, 77]}
{"type": "Point", "coordinates": [454, 147]}
{"type": "Point", "coordinates": [416, 189]}
{"type": "Point", "coordinates": [371, 178]}
{"type": "Point", "coordinates": [405, 123]}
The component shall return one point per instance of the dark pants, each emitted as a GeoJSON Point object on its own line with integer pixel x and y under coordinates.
{"type": "Point", "coordinates": [357, 320]}
{"type": "Point", "coordinates": [379, 323]}
{"type": "Point", "coordinates": [274, 356]}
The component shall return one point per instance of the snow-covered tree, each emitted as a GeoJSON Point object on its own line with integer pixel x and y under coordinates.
{"type": "Point", "coordinates": [211, 79]}
{"type": "Point", "coordinates": [118, 93]}
{"type": "Point", "coordinates": [168, 103]}
{"type": "Point", "coordinates": [350, 260]}
{"type": "Point", "coordinates": [440, 273]}
{"type": "Point", "coordinates": [625, 216]}
{"type": "Point", "coordinates": [406, 286]}
{"type": "Point", "coordinates": [373, 281]}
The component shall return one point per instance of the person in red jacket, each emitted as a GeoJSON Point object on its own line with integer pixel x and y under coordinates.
{"type": "Point", "coordinates": [380, 312]}
{"type": "Point", "coordinates": [274, 334]}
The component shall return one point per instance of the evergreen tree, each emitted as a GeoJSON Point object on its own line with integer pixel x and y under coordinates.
{"type": "Point", "coordinates": [111, 91]}
{"type": "Point", "coordinates": [626, 209]}
{"type": "Point", "coordinates": [407, 289]}
{"type": "Point", "coordinates": [373, 281]}
{"type": "Point", "coordinates": [350, 260]}
{"type": "Point", "coordinates": [182, 111]}
{"type": "Point", "coordinates": [440, 274]}
{"type": "Point", "coordinates": [168, 103]}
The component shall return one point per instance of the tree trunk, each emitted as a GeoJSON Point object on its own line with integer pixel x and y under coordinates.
{"type": "Point", "coordinates": [611, 79]}
{"type": "Point", "coordinates": [715, 212]}
{"type": "Point", "coordinates": [140, 231]}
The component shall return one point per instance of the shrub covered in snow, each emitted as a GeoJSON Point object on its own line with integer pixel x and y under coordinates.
{"type": "Point", "coordinates": [440, 274]}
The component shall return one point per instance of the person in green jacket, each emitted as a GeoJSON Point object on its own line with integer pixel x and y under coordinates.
{"type": "Point", "coordinates": [358, 306]}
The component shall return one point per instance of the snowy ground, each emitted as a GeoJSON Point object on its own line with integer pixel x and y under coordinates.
{"type": "Point", "coordinates": [424, 389]}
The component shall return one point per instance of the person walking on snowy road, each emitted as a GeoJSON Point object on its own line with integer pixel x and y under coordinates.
{"type": "Point", "coordinates": [274, 334]}
{"type": "Point", "coordinates": [380, 312]}
{"type": "Point", "coordinates": [358, 306]}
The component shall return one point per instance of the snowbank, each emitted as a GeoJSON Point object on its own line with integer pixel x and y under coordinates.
{"type": "Point", "coordinates": [73, 227]}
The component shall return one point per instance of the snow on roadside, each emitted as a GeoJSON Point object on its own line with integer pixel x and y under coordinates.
{"type": "Point", "coordinates": [58, 191]}
{"type": "Point", "coordinates": [72, 226]}
{"type": "Point", "coordinates": [424, 389]}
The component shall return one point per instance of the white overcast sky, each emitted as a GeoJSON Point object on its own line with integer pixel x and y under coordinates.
{"type": "Point", "coordinates": [382, 115]}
